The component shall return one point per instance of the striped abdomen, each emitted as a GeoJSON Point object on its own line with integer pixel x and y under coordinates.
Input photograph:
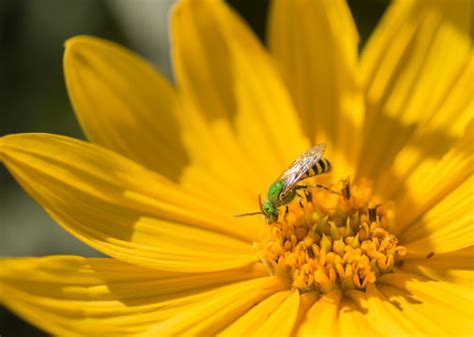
{"type": "Point", "coordinates": [322, 166]}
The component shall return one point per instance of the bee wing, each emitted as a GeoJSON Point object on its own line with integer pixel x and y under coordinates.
{"type": "Point", "coordinates": [300, 166]}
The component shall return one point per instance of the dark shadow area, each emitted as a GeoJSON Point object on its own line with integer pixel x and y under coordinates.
{"type": "Point", "coordinates": [12, 325]}
{"type": "Point", "coordinates": [32, 87]}
{"type": "Point", "coordinates": [255, 14]}
{"type": "Point", "coordinates": [367, 13]}
{"type": "Point", "coordinates": [398, 290]}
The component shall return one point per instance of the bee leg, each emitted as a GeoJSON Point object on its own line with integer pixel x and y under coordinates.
{"type": "Point", "coordinates": [286, 212]}
{"type": "Point", "coordinates": [330, 190]}
{"type": "Point", "coordinates": [300, 204]}
{"type": "Point", "coordinates": [283, 215]}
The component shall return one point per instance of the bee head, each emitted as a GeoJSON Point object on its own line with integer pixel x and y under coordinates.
{"type": "Point", "coordinates": [270, 212]}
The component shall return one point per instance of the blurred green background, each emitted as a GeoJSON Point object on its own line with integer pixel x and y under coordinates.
{"type": "Point", "coordinates": [33, 97]}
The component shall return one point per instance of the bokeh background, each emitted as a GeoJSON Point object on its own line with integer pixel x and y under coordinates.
{"type": "Point", "coordinates": [33, 97]}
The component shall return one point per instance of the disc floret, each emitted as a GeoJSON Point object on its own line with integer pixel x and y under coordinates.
{"type": "Point", "coordinates": [324, 241]}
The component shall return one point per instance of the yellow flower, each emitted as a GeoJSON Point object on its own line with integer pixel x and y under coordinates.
{"type": "Point", "coordinates": [168, 166]}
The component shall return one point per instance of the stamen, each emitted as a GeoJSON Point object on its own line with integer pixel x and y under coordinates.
{"type": "Point", "coordinates": [324, 241]}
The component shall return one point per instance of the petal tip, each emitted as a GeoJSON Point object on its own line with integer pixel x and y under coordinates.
{"type": "Point", "coordinates": [4, 140]}
{"type": "Point", "coordinates": [73, 45]}
{"type": "Point", "coordinates": [79, 45]}
{"type": "Point", "coordinates": [81, 39]}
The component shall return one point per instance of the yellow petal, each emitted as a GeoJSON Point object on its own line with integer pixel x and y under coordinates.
{"type": "Point", "coordinates": [75, 296]}
{"type": "Point", "coordinates": [321, 319]}
{"type": "Point", "coordinates": [382, 315]}
{"type": "Point", "coordinates": [413, 67]}
{"type": "Point", "coordinates": [423, 152]}
{"type": "Point", "coordinates": [444, 228]}
{"type": "Point", "coordinates": [425, 301]}
{"type": "Point", "coordinates": [306, 302]}
{"type": "Point", "coordinates": [248, 323]}
{"type": "Point", "coordinates": [454, 267]}
{"type": "Point", "coordinates": [124, 104]}
{"type": "Point", "coordinates": [315, 43]}
{"type": "Point", "coordinates": [281, 321]}
{"type": "Point", "coordinates": [352, 321]}
{"type": "Point", "coordinates": [434, 187]}
{"type": "Point", "coordinates": [122, 209]}
{"type": "Point", "coordinates": [418, 314]}
{"type": "Point", "coordinates": [218, 310]}
{"type": "Point", "coordinates": [220, 65]}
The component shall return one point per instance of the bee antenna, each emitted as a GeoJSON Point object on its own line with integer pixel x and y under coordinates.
{"type": "Point", "coordinates": [253, 213]}
{"type": "Point", "coordinates": [247, 214]}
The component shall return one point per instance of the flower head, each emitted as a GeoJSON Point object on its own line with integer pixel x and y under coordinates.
{"type": "Point", "coordinates": [387, 249]}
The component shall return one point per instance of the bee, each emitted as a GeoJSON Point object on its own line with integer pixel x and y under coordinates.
{"type": "Point", "coordinates": [284, 189]}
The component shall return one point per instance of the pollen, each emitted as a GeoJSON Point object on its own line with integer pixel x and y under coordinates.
{"type": "Point", "coordinates": [325, 241]}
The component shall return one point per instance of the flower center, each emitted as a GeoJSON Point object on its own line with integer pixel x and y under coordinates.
{"type": "Point", "coordinates": [324, 241]}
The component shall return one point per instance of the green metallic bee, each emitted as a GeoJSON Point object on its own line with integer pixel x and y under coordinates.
{"type": "Point", "coordinates": [284, 189]}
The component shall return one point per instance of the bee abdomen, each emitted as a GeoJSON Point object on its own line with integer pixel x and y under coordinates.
{"type": "Point", "coordinates": [322, 166]}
